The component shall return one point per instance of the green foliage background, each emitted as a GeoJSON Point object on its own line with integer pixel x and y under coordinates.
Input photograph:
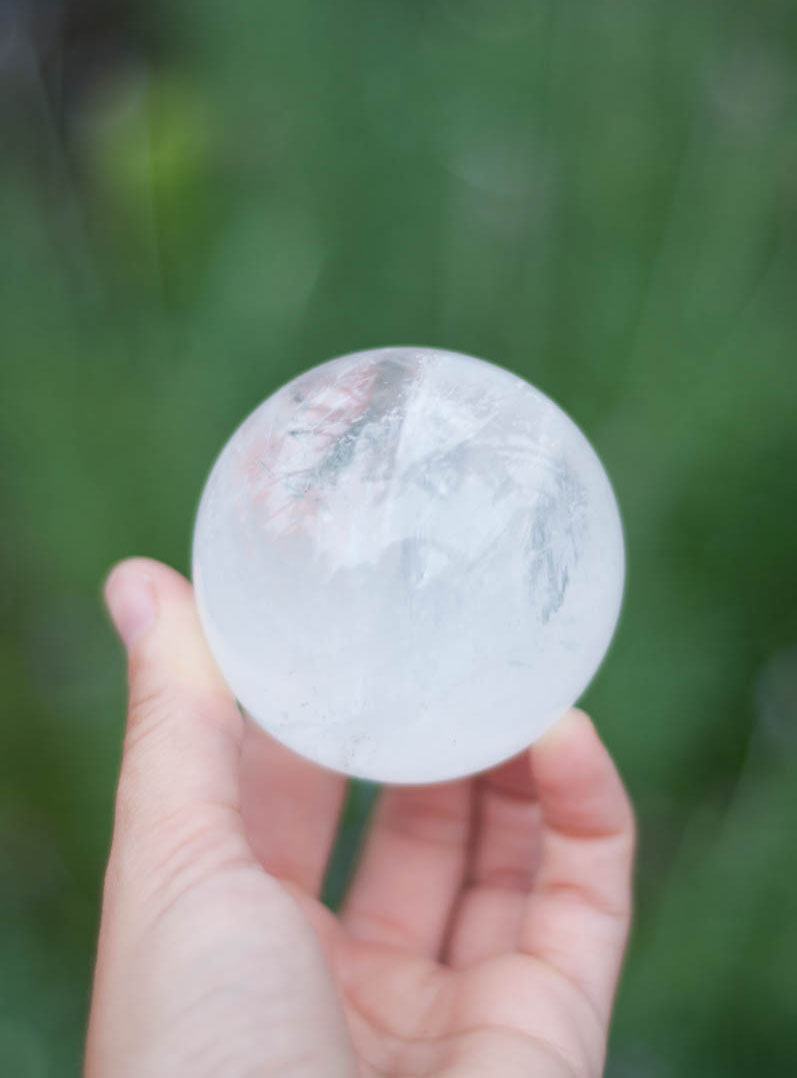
{"type": "Point", "coordinates": [600, 196]}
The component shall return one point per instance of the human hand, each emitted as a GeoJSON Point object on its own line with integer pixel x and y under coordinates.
{"type": "Point", "coordinates": [482, 935]}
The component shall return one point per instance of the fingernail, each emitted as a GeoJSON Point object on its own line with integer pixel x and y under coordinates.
{"type": "Point", "coordinates": [130, 599]}
{"type": "Point", "coordinates": [564, 726]}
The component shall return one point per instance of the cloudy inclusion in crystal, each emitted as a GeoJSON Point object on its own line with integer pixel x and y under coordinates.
{"type": "Point", "coordinates": [408, 564]}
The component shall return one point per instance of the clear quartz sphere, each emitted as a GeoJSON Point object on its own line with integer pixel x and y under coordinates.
{"type": "Point", "coordinates": [408, 564]}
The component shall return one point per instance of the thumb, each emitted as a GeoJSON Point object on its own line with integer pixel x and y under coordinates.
{"type": "Point", "coordinates": [178, 793]}
{"type": "Point", "coordinates": [203, 958]}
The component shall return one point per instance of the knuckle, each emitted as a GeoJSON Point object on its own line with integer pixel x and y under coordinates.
{"type": "Point", "coordinates": [184, 844]}
{"type": "Point", "coordinates": [612, 903]}
{"type": "Point", "coordinates": [424, 816]}
{"type": "Point", "coordinates": [151, 704]}
{"type": "Point", "coordinates": [171, 857]}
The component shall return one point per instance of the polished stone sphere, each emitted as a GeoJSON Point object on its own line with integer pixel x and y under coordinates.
{"type": "Point", "coordinates": [408, 564]}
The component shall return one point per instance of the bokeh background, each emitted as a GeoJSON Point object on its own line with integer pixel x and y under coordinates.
{"type": "Point", "coordinates": [200, 199]}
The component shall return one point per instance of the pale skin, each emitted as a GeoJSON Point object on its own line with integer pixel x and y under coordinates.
{"type": "Point", "coordinates": [483, 933]}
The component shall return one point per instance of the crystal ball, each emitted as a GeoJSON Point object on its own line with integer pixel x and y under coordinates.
{"type": "Point", "coordinates": [408, 564]}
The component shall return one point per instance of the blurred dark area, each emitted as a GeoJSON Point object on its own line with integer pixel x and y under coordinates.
{"type": "Point", "coordinates": [199, 200]}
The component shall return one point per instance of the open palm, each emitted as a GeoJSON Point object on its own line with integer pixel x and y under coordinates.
{"type": "Point", "coordinates": [482, 935]}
